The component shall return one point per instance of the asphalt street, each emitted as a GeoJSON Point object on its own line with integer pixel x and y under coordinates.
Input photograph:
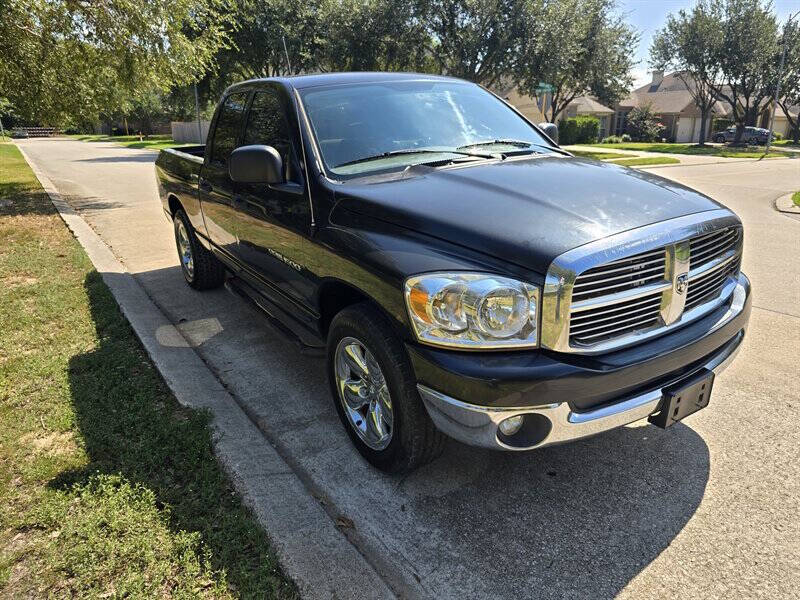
{"type": "Point", "coordinates": [706, 509]}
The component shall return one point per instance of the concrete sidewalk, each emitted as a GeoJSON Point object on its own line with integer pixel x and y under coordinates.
{"type": "Point", "coordinates": [705, 509]}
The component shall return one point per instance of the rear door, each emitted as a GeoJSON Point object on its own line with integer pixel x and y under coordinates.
{"type": "Point", "coordinates": [274, 221]}
{"type": "Point", "coordinates": [216, 190]}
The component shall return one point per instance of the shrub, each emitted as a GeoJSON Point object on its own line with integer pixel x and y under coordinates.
{"type": "Point", "coordinates": [625, 138]}
{"type": "Point", "coordinates": [578, 130]}
{"type": "Point", "coordinates": [721, 124]}
{"type": "Point", "coordinates": [612, 139]}
{"type": "Point", "coordinates": [644, 125]}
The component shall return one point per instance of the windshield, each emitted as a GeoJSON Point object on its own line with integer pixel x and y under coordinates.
{"type": "Point", "coordinates": [384, 126]}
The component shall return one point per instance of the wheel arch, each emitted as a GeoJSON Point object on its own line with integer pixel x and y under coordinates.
{"type": "Point", "coordinates": [334, 295]}
{"type": "Point", "coordinates": [174, 204]}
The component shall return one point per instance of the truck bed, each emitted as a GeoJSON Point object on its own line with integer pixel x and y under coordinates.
{"type": "Point", "coordinates": [178, 170]}
{"type": "Point", "coordinates": [195, 151]}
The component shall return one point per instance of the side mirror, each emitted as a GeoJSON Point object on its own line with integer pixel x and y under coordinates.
{"type": "Point", "coordinates": [256, 164]}
{"type": "Point", "coordinates": [551, 129]}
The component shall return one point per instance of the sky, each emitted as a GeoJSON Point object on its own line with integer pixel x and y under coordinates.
{"type": "Point", "coordinates": [647, 16]}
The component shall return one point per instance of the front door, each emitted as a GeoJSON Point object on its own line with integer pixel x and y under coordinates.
{"type": "Point", "coordinates": [216, 190]}
{"type": "Point", "coordinates": [274, 221]}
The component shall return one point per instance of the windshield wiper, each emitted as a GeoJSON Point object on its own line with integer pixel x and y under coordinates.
{"type": "Point", "coordinates": [518, 143]}
{"type": "Point", "coordinates": [416, 151]}
{"type": "Point", "coordinates": [521, 144]}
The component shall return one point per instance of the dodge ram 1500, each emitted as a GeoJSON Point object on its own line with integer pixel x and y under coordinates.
{"type": "Point", "coordinates": [461, 273]}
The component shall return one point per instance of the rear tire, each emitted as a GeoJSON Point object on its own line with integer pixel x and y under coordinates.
{"type": "Point", "coordinates": [719, 139]}
{"type": "Point", "coordinates": [414, 439]}
{"type": "Point", "coordinates": [201, 269]}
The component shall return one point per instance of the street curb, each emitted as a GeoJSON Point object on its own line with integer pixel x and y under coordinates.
{"type": "Point", "coordinates": [785, 204]}
{"type": "Point", "coordinates": [310, 548]}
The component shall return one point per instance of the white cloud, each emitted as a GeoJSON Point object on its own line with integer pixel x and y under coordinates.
{"type": "Point", "coordinates": [641, 76]}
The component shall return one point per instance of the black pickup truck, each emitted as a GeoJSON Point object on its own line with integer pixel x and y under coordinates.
{"type": "Point", "coordinates": [462, 274]}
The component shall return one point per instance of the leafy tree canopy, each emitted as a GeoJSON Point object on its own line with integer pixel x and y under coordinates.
{"type": "Point", "coordinates": [578, 47]}
{"type": "Point", "coordinates": [745, 53]}
{"type": "Point", "coordinates": [69, 60]}
{"type": "Point", "coordinates": [689, 44]}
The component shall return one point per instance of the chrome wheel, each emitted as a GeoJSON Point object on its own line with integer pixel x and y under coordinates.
{"type": "Point", "coordinates": [184, 249]}
{"type": "Point", "coordinates": [363, 393]}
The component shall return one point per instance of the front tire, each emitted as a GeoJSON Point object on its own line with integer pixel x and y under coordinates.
{"type": "Point", "coordinates": [720, 139]}
{"type": "Point", "coordinates": [375, 392]}
{"type": "Point", "coordinates": [201, 269]}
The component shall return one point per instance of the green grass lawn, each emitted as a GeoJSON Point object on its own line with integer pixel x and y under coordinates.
{"type": "Point", "coordinates": [108, 487]}
{"type": "Point", "coordinates": [154, 142]}
{"type": "Point", "coordinates": [721, 151]}
{"type": "Point", "coordinates": [646, 160]}
{"type": "Point", "coordinates": [599, 155]}
{"type": "Point", "coordinates": [796, 198]}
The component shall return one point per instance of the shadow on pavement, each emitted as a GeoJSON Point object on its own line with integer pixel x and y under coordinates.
{"type": "Point", "coordinates": [571, 521]}
{"type": "Point", "coordinates": [89, 204]}
{"type": "Point", "coordinates": [578, 520]}
{"type": "Point", "coordinates": [138, 158]}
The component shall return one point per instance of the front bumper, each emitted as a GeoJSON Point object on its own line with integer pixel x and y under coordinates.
{"type": "Point", "coordinates": [555, 418]}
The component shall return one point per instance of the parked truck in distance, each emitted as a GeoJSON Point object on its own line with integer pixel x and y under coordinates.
{"type": "Point", "coordinates": [462, 274]}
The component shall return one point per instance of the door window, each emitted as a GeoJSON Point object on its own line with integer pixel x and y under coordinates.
{"type": "Point", "coordinates": [229, 122]}
{"type": "Point", "coordinates": [267, 125]}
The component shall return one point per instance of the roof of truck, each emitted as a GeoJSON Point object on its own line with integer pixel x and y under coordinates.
{"type": "Point", "coordinates": [307, 81]}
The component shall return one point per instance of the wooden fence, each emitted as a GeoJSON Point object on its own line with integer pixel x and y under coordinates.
{"type": "Point", "coordinates": [38, 131]}
{"type": "Point", "coordinates": [187, 132]}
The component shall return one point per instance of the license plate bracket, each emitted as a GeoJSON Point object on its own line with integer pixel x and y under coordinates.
{"type": "Point", "coordinates": [684, 398]}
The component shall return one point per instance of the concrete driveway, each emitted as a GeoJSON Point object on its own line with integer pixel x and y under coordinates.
{"type": "Point", "coordinates": [706, 509]}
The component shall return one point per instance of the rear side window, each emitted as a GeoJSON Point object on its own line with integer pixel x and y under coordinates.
{"type": "Point", "coordinates": [229, 123]}
{"type": "Point", "coordinates": [267, 125]}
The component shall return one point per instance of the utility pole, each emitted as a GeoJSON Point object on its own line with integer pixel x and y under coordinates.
{"type": "Point", "coordinates": [778, 83]}
{"type": "Point", "coordinates": [288, 62]}
{"type": "Point", "coordinates": [197, 113]}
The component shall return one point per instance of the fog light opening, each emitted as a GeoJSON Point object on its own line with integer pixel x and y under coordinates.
{"type": "Point", "coordinates": [511, 425]}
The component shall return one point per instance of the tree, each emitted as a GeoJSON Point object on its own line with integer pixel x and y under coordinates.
{"type": "Point", "coordinates": [688, 43]}
{"type": "Point", "coordinates": [745, 55]}
{"type": "Point", "coordinates": [643, 125]}
{"type": "Point", "coordinates": [790, 83]}
{"type": "Point", "coordinates": [72, 60]}
{"type": "Point", "coordinates": [323, 35]}
{"type": "Point", "coordinates": [576, 46]}
{"type": "Point", "coordinates": [474, 39]}
{"type": "Point", "coordinates": [373, 35]}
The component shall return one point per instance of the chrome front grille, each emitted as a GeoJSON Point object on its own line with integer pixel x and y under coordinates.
{"type": "Point", "coordinates": [632, 286]}
{"type": "Point", "coordinates": [597, 324]}
{"type": "Point", "coordinates": [620, 275]}
{"type": "Point", "coordinates": [705, 248]}
{"type": "Point", "coordinates": [708, 285]}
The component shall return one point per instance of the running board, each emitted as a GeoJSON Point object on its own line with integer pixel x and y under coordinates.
{"type": "Point", "coordinates": [308, 343]}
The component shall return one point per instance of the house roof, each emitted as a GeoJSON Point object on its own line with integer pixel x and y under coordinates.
{"type": "Point", "coordinates": [671, 95]}
{"type": "Point", "coordinates": [588, 105]}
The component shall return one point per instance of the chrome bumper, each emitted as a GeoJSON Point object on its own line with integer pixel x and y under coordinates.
{"type": "Point", "coordinates": [557, 423]}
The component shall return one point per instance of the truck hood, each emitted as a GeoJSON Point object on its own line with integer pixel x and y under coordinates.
{"type": "Point", "coordinates": [524, 211]}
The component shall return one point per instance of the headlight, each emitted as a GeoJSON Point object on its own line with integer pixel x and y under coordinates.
{"type": "Point", "coordinates": [473, 310]}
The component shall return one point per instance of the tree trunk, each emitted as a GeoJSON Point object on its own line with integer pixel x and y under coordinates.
{"type": "Point", "coordinates": [703, 120]}
{"type": "Point", "coordinates": [796, 134]}
{"type": "Point", "coordinates": [739, 132]}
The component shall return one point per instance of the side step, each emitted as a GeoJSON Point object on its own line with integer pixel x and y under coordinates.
{"type": "Point", "coordinates": [308, 343]}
